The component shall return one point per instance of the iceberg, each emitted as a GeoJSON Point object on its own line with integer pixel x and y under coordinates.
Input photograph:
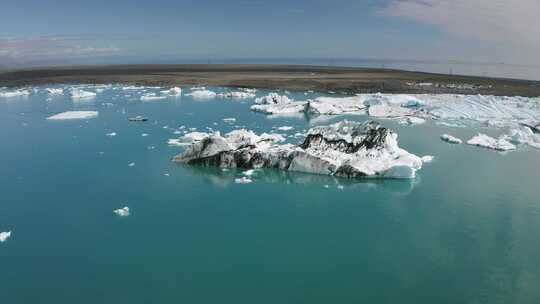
{"type": "Point", "coordinates": [4, 236]}
{"type": "Point", "coordinates": [152, 96]}
{"type": "Point", "coordinates": [81, 94]}
{"type": "Point", "coordinates": [69, 115]}
{"type": "Point", "coordinates": [482, 140]}
{"type": "Point", "coordinates": [123, 212]}
{"type": "Point", "coordinates": [336, 105]}
{"type": "Point", "coordinates": [202, 94]}
{"type": "Point", "coordinates": [187, 139]}
{"type": "Point", "coordinates": [273, 98]}
{"type": "Point", "coordinates": [345, 149]}
{"type": "Point", "coordinates": [15, 93]}
{"type": "Point", "coordinates": [112, 134]}
{"type": "Point", "coordinates": [243, 180]}
{"type": "Point", "coordinates": [175, 91]}
{"type": "Point", "coordinates": [385, 111]}
{"type": "Point", "coordinates": [451, 139]}
{"type": "Point", "coordinates": [236, 95]}
{"type": "Point", "coordinates": [53, 91]}
{"type": "Point", "coordinates": [523, 136]}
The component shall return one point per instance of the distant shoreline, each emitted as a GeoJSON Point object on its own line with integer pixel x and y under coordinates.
{"type": "Point", "coordinates": [289, 77]}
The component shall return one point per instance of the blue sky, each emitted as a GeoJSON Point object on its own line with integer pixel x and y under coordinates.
{"type": "Point", "coordinates": [71, 32]}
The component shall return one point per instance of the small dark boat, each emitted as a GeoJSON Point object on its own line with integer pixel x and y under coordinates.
{"type": "Point", "coordinates": [138, 118]}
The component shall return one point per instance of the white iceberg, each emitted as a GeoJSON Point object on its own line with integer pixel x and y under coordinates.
{"type": "Point", "coordinates": [175, 91]}
{"type": "Point", "coordinates": [523, 136]}
{"type": "Point", "coordinates": [202, 94]}
{"type": "Point", "coordinates": [81, 94]}
{"type": "Point", "coordinates": [485, 141]}
{"type": "Point", "coordinates": [236, 95]}
{"type": "Point", "coordinates": [152, 97]}
{"type": "Point", "coordinates": [337, 105]}
{"type": "Point", "coordinates": [15, 93]}
{"type": "Point", "coordinates": [55, 91]}
{"type": "Point", "coordinates": [112, 134]}
{"type": "Point", "coordinates": [385, 111]}
{"type": "Point", "coordinates": [69, 115]}
{"type": "Point", "coordinates": [412, 121]}
{"type": "Point", "coordinates": [4, 236]}
{"type": "Point", "coordinates": [187, 139]}
{"type": "Point", "coordinates": [285, 128]}
{"type": "Point", "coordinates": [123, 212]}
{"type": "Point", "coordinates": [273, 99]}
{"type": "Point", "coordinates": [347, 149]}
{"type": "Point", "coordinates": [243, 180]}
{"type": "Point", "coordinates": [428, 158]}
{"type": "Point", "coordinates": [229, 120]}
{"type": "Point", "coordinates": [451, 139]}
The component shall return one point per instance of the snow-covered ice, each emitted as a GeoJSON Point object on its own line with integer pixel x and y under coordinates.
{"type": "Point", "coordinates": [55, 91]}
{"type": "Point", "coordinates": [243, 180]}
{"type": "Point", "coordinates": [14, 93]}
{"type": "Point", "coordinates": [69, 115]}
{"type": "Point", "coordinates": [4, 236]}
{"type": "Point", "coordinates": [202, 94]}
{"type": "Point", "coordinates": [122, 211]}
{"type": "Point", "coordinates": [81, 94]}
{"type": "Point", "coordinates": [485, 141]}
{"type": "Point", "coordinates": [347, 149]}
{"type": "Point", "coordinates": [451, 139]}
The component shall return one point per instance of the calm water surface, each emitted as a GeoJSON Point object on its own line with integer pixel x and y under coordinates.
{"type": "Point", "coordinates": [467, 230]}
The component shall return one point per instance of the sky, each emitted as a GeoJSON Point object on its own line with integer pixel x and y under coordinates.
{"type": "Point", "coordinates": [63, 32]}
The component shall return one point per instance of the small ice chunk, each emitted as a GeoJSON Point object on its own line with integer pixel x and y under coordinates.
{"type": "Point", "coordinates": [451, 139]}
{"type": "Point", "coordinates": [229, 120]}
{"type": "Point", "coordinates": [427, 158]}
{"type": "Point", "coordinates": [482, 140]}
{"type": "Point", "coordinates": [81, 94]}
{"type": "Point", "coordinates": [411, 121]}
{"type": "Point", "coordinates": [4, 236]}
{"type": "Point", "coordinates": [16, 93]}
{"type": "Point", "coordinates": [112, 134]}
{"type": "Point", "coordinates": [152, 96]}
{"type": "Point", "coordinates": [53, 91]}
{"type": "Point", "coordinates": [248, 172]}
{"type": "Point", "coordinates": [68, 115]}
{"type": "Point", "coordinates": [122, 211]}
{"type": "Point", "coordinates": [144, 135]}
{"type": "Point", "coordinates": [243, 180]}
{"type": "Point", "coordinates": [285, 128]}
{"type": "Point", "coordinates": [202, 94]}
{"type": "Point", "coordinates": [131, 165]}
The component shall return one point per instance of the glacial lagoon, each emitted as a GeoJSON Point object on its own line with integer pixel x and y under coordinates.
{"type": "Point", "coordinates": [465, 230]}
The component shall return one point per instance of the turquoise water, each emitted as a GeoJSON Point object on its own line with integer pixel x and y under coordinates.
{"type": "Point", "coordinates": [467, 230]}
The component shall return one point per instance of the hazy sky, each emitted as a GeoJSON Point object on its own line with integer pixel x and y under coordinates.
{"type": "Point", "coordinates": [72, 31]}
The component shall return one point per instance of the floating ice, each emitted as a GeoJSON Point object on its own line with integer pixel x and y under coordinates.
{"type": "Point", "coordinates": [112, 134]}
{"type": "Point", "coordinates": [81, 94]}
{"type": "Point", "coordinates": [152, 97]}
{"type": "Point", "coordinates": [53, 91]}
{"type": "Point", "coordinates": [523, 136]}
{"type": "Point", "coordinates": [451, 139]}
{"type": "Point", "coordinates": [144, 134]}
{"type": "Point", "coordinates": [243, 180]}
{"type": "Point", "coordinates": [248, 172]}
{"type": "Point", "coordinates": [347, 149]}
{"type": "Point", "coordinates": [500, 144]}
{"type": "Point", "coordinates": [188, 139]}
{"type": "Point", "coordinates": [122, 211]}
{"type": "Point", "coordinates": [68, 115]}
{"type": "Point", "coordinates": [388, 111]}
{"type": "Point", "coordinates": [202, 94]}
{"type": "Point", "coordinates": [411, 121]}
{"type": "Point", "coordinates": [176, 91]}
{"type": "Point", "coordinates": [15, 93]}
{"type": "Point", "coordinates": [236, 95]}
{"type": "Point", "coordinates": [4, 236]}
{"type": "Point", "coordinates": [285, 128]}
{"type": "Point", "coordinates": [272, 99]}
{"type": "Point", "coordinates": [427, 158]}
{"type": "Point", "coordinates": [131, 165]}
{"type": "Point", "coordinates": [229, 120]}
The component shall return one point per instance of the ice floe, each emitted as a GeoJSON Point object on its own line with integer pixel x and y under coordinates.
{"type": "Point", "coordinates": [4, 236]}
{"type": "Point", "coordinates": [285, 128]}
{"type": "Point", "coordinates": [55, 91]}
{"type": "Point", "coordinates": [236, 95]}
{"type": "Point", "coordinates": [15, 93]}
{"type": "Point", "coordinates": [229, 120]}
{"type": "Point", "coordinates": [111, 134]}
{"type": "Point", "coordinates": [175, 91]}
{"type": "Point", "coordinates": [428, 158]}
{"type": "Point", "coordinates": [485, 141]}
{"type": "Point", "coordinates": [122, 211]}
{"type": "Point", "coordinates": [243, 180]}
{"type": "Point", "coordinates": [347, 149]}
{"type": "Point", "coordinates": [69, 115]}
{"type": "Point", "coordinates": [451, 139]}
{"type": "Point", "coordinates": [152, 97]}
{"type": "Point", "coordinates": [81, 94]}
{"type": "Point", "coordinates": [202, 94]}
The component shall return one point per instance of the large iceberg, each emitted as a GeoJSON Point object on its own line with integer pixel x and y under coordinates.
{"type": "Point", "coordinates": [485, 141]}
{"type": "Point", "coordinates": [202, 94]}
{"type": "Point", "coordinates": [345, 149]}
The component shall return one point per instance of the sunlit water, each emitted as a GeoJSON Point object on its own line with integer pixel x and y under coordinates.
{"type": "Point", "coordinates": [466, 230]}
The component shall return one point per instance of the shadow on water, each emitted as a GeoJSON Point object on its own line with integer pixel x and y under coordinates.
{"type": "Point", "coordinates": [221, 177]}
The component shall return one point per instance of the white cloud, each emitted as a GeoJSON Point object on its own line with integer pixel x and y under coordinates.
{"type": "Point", "coordinates": [21, 51]}
{"type": "Point", "coordinates": [511, 24]}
